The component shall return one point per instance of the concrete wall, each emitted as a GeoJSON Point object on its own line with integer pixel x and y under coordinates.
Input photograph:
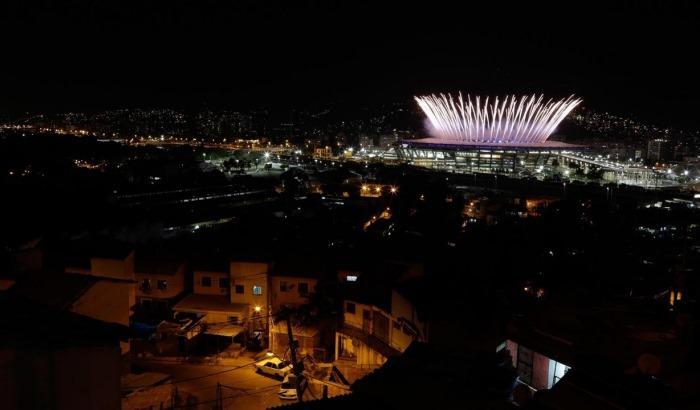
{"type": "Point", "coordinates": [543, 368]}
{"type": "Point", "coordinates": [108, 301]}
{"type": "Point", "coordinates": [291, 296]}
{"type": "Point", "coordinates": [113, 268]}
{"type": "Point", "coordinates": [214, 289]}
{"type": "Point", "coordinates": [176, 284]}
{"type": "Point", "coordinates": [403, 308]}
{"type": "Point", "coordinates": [398, 336]}
{"type": "Point", "coordinates": [250, 275]}
{"type": "Point", "coordinates": [363, 354]}
{"type": "Point", "coordinates": [77, 378]}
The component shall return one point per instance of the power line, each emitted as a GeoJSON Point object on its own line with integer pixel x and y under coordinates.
{"type": "Point", "coordinates": [147, 387]}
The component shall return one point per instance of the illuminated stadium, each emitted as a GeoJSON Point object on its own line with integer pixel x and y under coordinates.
{"type": "Point", "coordinates": [482, 135]}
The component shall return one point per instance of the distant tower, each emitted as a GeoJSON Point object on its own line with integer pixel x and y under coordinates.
{"type": "Point", "coordinates": [658, 149]}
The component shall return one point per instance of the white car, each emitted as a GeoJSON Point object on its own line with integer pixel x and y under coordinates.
{"type": "Point", "coordinates": [288, 389]}
{"type": "Point", "coordinates": [274, 366]}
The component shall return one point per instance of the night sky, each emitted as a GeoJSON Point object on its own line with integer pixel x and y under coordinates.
{"type": "Point", "coordinates": [634, 58]}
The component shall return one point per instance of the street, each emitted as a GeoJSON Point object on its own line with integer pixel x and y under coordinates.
{"type": "Point", "coordinates": [242, 387]}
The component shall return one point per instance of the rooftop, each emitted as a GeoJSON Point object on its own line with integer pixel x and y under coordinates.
{"type": "Point", "coordinates": [55, 289]}
{"type": "Point", "coordinates": [31, 325]}
{"type": "Point", "coordinates": [456, 144]}
{"type": "Point", "coordinates": [210, 303]}
{"type": "Point", "coordinates": [156, 267]}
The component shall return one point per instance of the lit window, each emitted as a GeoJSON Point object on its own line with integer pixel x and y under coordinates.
{"type": "Point", "coordinates": [351, 278]}
{"type": "Point", "coordinates": [560, 370]}
{"type": "Point", "coordinates": [162, 284]}
{"type": "Point", "coordinates": [257, 290]}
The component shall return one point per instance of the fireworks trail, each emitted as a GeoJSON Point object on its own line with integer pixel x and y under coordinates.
{"type": "Point", "coordinates": [512, 120]}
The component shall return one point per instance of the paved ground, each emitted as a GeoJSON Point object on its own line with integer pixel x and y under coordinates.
{"type": "Point", "coordinates": [246, 390]}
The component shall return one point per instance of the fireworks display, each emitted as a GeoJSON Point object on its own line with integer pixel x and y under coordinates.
{"type": "Point", "coordinates": [511, 120]}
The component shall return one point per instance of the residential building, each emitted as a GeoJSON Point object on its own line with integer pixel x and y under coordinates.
{"type": "Point", "coordinates": [534, 369]}
{"type": "Point", "coordinates": [210, 304]}
{"type": "Point", "coordinates": [293, 281]}
{"type": "Point", "coordinates": [380, 313]}
{"type": "Point", "coordinates": [370, 334]}
{"type": "Point", "coordinates": [160, 284]}
{"type": "Point", "coordinates": [57, 359]}
{"type": "Point", "coordinates": [102, 298]}
{"type": "Point", "coordinates": [229, 301]}
{"type": "Point", "coordinates": [249, 286]}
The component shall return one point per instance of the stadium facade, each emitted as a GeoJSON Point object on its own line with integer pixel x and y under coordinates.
{"type": "Point", "coordinates": [481, 157]}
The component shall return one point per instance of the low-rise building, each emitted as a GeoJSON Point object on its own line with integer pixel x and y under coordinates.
{"type": "Point", "coordinates": [160, 284]}
{"type": "Point", "coordinates": [54, 358]}
{"type": "Point", "coordinates": [102, 298]}
{"type": "Point", "coordinates": [292, 285]}
{"type": "Point", "coordinates": [227, 303]}
{"type": "Point", "coordinates": [377, 327]}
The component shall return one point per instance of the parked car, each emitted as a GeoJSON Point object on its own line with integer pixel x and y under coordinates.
{"type": "Point", "coordinates": [288, 389]}
{"type": "Point", "coordinates": [273, 366]}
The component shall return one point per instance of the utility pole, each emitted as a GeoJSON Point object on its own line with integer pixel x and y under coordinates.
{"type": "Point", "coordinates": [297, 367]}
{"type": "Point", "coordinates": [219, 402]}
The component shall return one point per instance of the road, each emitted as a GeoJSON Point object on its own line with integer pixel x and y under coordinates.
{"type": "Point", "coordinates": [245, 389]}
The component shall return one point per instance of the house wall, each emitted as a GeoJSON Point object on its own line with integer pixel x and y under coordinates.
{"type": "Point", "coordinates": [250, 275]}
{"type": "Point", "coordinates": [113, 268]}
{"type": "Point", "coordinates": [214, 289]}
{"type": "Point", "coordinates": [291, 297]}
{"type": "Point", "coordinates": [362, 354]}
{"type": "Point", "coordinates": [543, 368]}
{"type": "Point", "coordinates": [176, 284]}
{"type": "Point", "coordinates": [79, 378]}
{"type": "Point", "coordinates": [107, 301]}
{"type": "Point", "coordinates": [279, 343]}
{"type": "Point", "coordinates": [389, 330]}
{"type": "Point", "coordinates": [403, 308]}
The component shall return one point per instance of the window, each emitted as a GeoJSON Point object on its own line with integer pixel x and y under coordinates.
{"type": "Point", "coordinates": [303, 288]}
{"type": "Point", "coordinates": [350, 307]}
{"type": "Point", "coordinates": [351, 278]}
{"type": "Point", "coordinates": [257, 290]}
{"type": "Point", "coordinates": [162, 284]}
{"type": "Point", "coordinates": [224, 283]}
{"type": "Point", "coordinates": [560, 370]}
{"type": "Point", "coordinates": [284, 286]}
{"type": "Point", "coordinates": [206, 281]}
{"type": "Point", "coordinates": [240, 289]}
{"type": "Point", "coordinates": [233, 319]}
{"type": "Point", "coordinates": [146, 284]}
